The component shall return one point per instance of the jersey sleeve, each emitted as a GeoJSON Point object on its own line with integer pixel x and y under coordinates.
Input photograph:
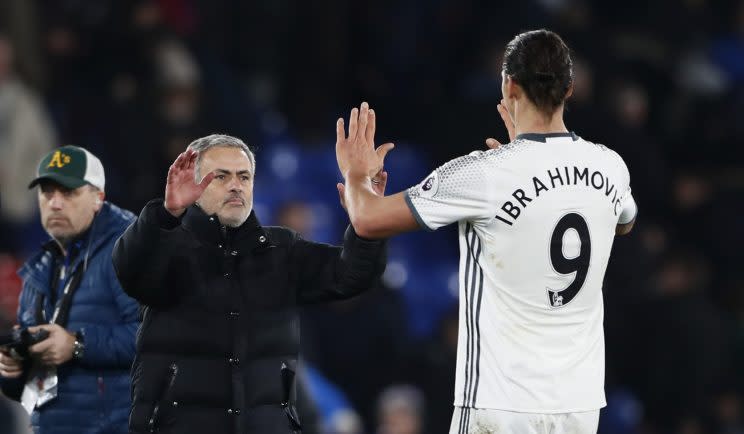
{"type": "Point", "coordinates": [455, 191]}
{"type": "Point", "coordinates": [628, 207]}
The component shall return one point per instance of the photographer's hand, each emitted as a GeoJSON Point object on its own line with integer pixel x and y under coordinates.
{"type": "Point", "coordinates": [57, 348]}
{"type": "Point", "coordinates": [9, 367]}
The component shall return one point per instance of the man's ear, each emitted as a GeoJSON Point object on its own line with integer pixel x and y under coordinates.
{"type": "Point", "coordinates": [512, 89]}
{"type": "Point", "coordinates": [100, 196]}
{"type": "Point", "coordinates": [570, 91]}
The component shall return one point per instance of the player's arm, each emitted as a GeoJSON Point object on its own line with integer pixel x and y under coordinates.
{"type": "Point", "coordinates": [627, 217]}
{"type": "Point", "coordinates": [624, 229]}
{"type": "Point", "coordinates": [372, 215]}
{"type": "Point", "coordinates": [451, 193]}
{"type": "Point", "coordinates": [375, 216]}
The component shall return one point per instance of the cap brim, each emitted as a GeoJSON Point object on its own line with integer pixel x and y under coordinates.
{"type": "Point", "coordinates": [66, 181]}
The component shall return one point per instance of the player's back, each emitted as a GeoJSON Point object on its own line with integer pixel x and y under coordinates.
{"type": "Point", "coordinates": [537, 220]}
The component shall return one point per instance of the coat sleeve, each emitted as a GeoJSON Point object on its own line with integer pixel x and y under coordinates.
{"type": "Point", "coordinates": [334, 273]}
{"type": "Point", "coordinates": [143, 255]}
{"type": "Point", "coordinates": [113, 345]}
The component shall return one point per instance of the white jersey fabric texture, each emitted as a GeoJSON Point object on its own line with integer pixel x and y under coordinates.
{"type": "Point", "coordinates": [537, 220]}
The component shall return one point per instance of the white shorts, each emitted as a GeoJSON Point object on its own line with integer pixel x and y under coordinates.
{"type": "Point", "coordinates": [488, 421]}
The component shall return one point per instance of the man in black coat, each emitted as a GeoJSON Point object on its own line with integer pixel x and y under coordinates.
{"type": "Point", "coordinates": [218, 346]}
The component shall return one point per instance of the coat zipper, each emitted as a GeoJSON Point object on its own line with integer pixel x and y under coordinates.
{"type": "Point", "coordinates": [156, 413]}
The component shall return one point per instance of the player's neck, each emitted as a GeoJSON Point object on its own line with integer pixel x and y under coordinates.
{"type": "Point", "coordinates": [529, 120]}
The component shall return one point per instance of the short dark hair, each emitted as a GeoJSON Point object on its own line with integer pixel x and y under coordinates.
{"type": "Point", "coordinates": [540, 62]}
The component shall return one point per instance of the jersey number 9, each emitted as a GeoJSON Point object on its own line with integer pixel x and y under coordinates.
{"type": "Point", "coordinates": [563, 265]}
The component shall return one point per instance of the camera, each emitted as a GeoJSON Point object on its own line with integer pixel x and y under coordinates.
{"type": "Point", "coordinates": [19, 340]}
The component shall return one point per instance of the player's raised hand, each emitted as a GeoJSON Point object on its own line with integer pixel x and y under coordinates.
{"type": "Point", "coordinates": [181, 189]}
{"type": "Point", "coordinates": [356, 154]}
{"type": "Point", "coordinates": [379, 182]}
{"type": "Point", "coordinates": [508, 123]}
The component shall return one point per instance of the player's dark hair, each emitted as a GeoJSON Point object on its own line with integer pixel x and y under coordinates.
{"type": "Point", "coordinates": [540, 62]}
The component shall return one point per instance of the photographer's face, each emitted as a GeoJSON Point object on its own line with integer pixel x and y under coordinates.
{"type": "Point", "coordinates": [230, 194]}
{"type": "Point", "coordinates": [65, 212]}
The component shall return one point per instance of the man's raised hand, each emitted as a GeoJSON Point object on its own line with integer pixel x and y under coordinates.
{"type": "Point", "coordinates": [181, 189]}
{"type": "Point", "coordinates": [356, 154]}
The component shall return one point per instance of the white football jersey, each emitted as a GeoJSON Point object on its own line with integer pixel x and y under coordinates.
{"type": "Point", "coordinates": [537, 219]}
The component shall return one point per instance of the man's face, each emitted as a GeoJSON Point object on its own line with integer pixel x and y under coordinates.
{"type": "Point", "coordinates": [67, 213]}
{"type": "Point", "coordinates": [230, 194]}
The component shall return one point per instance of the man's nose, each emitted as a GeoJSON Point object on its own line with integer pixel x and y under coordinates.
{"type": "Point", "coordinates": [234, 185]}
{"type": "Point", "coordinates": [56, 201]}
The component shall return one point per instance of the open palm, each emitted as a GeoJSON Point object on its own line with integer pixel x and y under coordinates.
{"type": "Point", "coordinates": [356, 153]}
{"type": "Point", "coordinates": [181, 189]}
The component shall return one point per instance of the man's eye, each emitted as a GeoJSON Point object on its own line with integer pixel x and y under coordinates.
{"type": "Point", "coordinates": [245, 178]}
{"type": "Point", "coordinates": [220, 176]}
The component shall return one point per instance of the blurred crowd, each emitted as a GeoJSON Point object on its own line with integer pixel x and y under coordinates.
{"type": "Point", "coordinates": [661, 82]}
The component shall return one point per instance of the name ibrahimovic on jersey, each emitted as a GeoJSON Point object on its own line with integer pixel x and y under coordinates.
{"type": "Point", "coordinates": [558, 177]}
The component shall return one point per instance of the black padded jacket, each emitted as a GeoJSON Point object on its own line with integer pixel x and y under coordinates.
{"type": "Point", "coordinates": [219, 341]}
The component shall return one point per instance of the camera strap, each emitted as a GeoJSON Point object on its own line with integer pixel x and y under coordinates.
{"type": "Point", "coordinates": [62, 309]}
{"type": "Point", "coordinates": [41, 383]}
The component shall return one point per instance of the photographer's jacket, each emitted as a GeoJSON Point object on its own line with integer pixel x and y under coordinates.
{"type": "Point", "coordinates": [220, 336]}
{"type": "Point", "coordinates": [93, 392]}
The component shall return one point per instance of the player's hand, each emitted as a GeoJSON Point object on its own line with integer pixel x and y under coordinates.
{"type": "Point", "coordinates": [508, 123]}
{"type": "Point", "coordinates": [9, 367]}
{"type": "Point", "coordinates": [55, 349]}
{"type": "Point", "coordinates": [356, 154]}
{"type": "Point", "coordinates": [181, 189]}
{"type": "Point", "coordinates": [379, 182]}
{"type": "Point", "coordinates": [492, 143]}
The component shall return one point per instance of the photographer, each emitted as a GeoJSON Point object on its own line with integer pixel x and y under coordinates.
{"type": "Point", "coordinates": [76, 378]}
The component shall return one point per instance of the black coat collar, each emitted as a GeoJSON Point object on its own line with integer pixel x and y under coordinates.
{"type": "Point", "coordinates": [235, 241]}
